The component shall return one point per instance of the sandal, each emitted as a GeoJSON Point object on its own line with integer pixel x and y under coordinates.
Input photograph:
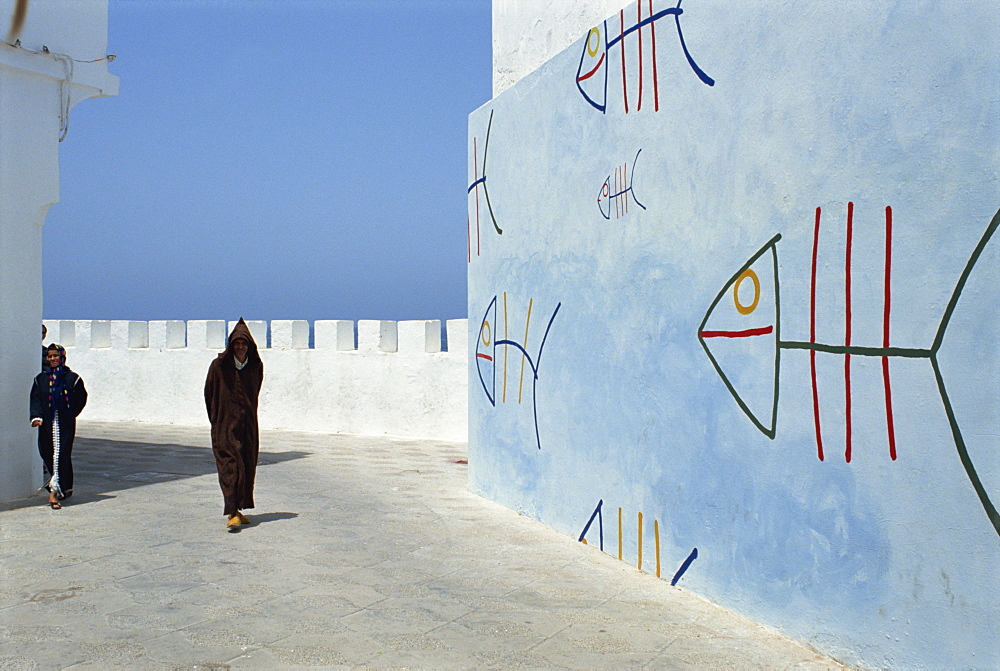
{"type": "Point", "coordinates": [55, 505]}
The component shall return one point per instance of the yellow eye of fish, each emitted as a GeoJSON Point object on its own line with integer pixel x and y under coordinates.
{"type": "Point", "coordinates": [487, 336]}
{"type": "Point", "coordinates": [740, 307]}
{"type": "Point", "coordinates": [596, 35]}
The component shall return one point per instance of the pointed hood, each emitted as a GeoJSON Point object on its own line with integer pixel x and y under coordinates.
{"type": "Point", "coordinates": [241, 330]}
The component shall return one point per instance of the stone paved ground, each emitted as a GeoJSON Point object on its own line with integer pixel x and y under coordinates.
{"type": "Point", "coordinates": [362, 552]}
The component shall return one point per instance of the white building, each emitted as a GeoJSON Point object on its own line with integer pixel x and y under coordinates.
{"type": "Point", "coordinates": [56, 59]}
{"type": "Point", "coordinates": [526, 34]}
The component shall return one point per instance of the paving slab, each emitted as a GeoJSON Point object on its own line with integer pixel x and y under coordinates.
{"type": "Point", "coordinates": [363, 552]}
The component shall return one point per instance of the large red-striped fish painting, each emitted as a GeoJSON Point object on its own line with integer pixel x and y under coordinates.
{"type": "Point", "coordinates": [741, 334]}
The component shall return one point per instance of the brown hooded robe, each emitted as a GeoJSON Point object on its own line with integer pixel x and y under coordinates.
{"type": "Point", "coordinates": [231, 400]}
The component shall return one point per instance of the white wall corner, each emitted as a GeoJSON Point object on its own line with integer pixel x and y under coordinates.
{"type": "Point", "coordinates": [289, 334]}
{"type": "Point", "coordinates": [129, 334]}
{"type": "Point", "coordinates": [206, 334]}
{"type": "Point", "coordinates": [169, 334]}
{"type": "Point", "coordinates": [337, 334]}
{"type": "Point", "coordinates": [458, 336]}
{"type": "Point", "coordinates": [176, 334]}
{"type": "Point", "coordinates": [81, 332]}
{"type": "Point", "coordinates": [52, 326]}
{"type": "Point", "coordinates": [157, 334]}
{"type": "Point", "coordinates": [100, 334]}
{"type": "Point", "coordinates": [419, 336]}
{"type": "Point", "coordinates": [67, 333]}
{"type": "Point", "coordinates": [377, 336]}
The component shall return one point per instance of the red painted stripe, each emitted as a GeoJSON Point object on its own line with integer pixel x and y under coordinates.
{"type": "Point", "coordinates": [618, 201]}
{"type": "Point", "coordinates": [591, 73]}
{"type": "Point", "coordinates": [652, 34]}
{"type": "Point", "coordinates": [888, 408]}
{"type": "Point", "coordinates": [638, 9]}
{"type": "Point", "coordinates": [890, 426]}
{"type": "Point", "coordinates": [812, 285]}
{"type": "Point", "coordinates": [888, 267]}
{"type": "Point", "coordinates": [746, 333]}
{"type": "Point", "coordinates": [621, 42]}
{"type": "Point", "coordinates": [812, 338]}
{"type": "Point", "coordinates": [484, 356]}
{"type": "Point", "coordinates": [847, 331]}
{"type": "Point", "coordinates": [815, 390]}
{"type": "Point", "coordinates": [617, 197]}
{"type": "Point", "coordinates": [625, 173]}
{"type": "Point", "coordinates": [618, 191]}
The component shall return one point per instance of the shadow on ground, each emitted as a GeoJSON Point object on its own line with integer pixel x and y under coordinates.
{"type": "Point", "coordinates": [102, 467]}
{"type": "Point", "coordinates": [261, 518]}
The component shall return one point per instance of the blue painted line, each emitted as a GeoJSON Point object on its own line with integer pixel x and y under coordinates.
{"type": "Point", "coordinates": [684, 567]}
{"type": "Point", "coordinates": [519, 347]}
{"type": "Point", "coordinates": [490, 395]}
{"type": "Point", "coordinates": [676, 11]}
{"type": "Point", "coordinates": [600, 521]}
{"type": "Point", "coordinates": [534, 367]}
{"type": "Point", "coordinates": [687, 54]}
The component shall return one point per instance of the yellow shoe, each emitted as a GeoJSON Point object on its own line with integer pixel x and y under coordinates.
{"type": "Point", "coordinates": [243, 518]}
{"type": "Point", "coordinates": [233, 525]}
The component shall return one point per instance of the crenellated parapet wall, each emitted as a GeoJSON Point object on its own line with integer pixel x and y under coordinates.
{"type": "Point", "coordinates": [370, 377]}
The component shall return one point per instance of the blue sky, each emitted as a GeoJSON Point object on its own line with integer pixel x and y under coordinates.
{"type": "Point", "coordinates": [272, 159]}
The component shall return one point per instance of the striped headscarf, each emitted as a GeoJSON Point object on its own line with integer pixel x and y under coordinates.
{"type": "Point", "coordinates": [58, 395]}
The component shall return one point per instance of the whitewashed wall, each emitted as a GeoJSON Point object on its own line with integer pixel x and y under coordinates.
{"type": "Point", "coordinates": [396, 382]}
{"type": "Point", "coordinates": [526, 33]}
{"type": "Point", "coordinates": [41, 78]}
{"type": "Point", "coordinates": [640, 210]}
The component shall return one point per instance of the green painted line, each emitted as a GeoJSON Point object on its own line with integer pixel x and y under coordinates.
{"type": "Point", "coordinates": [908, 352]}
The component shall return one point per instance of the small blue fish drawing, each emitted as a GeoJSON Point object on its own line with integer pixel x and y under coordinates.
{"type": "Point", "coordinates": [617, 191]}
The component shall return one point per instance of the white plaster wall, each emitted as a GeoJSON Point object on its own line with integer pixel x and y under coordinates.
{"type": "Point", "coordinates": [396, 382]}
{"type": "Point", "coordinates": [37, 91]}
{"type": "Point", "coordinates": [28, 186]}
{"type": "Point", "coordinates": [526, 33]}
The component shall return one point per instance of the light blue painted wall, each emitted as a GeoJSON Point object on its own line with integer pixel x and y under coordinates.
{"type": "Point", "coordinates": [827, 106]}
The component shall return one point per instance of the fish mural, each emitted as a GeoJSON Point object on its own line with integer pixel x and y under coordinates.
{"type": "Point", "coordinates": [593, 72]}
{"type": "Point", "coordinates": [617, 191]}
{"type": "Point", "coordinates": [479, 183]}
{"type": "Point", "coordinates": [487, 347]}
{"type": "Point", "coordinates": [598, 515]}
{"type": "Point", "coordinates": [741, 334]}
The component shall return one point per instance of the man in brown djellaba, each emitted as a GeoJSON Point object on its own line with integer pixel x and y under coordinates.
{"type": "Point", "coordinates": [231, 391]}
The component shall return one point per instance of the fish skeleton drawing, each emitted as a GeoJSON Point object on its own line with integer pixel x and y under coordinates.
{"type": "Point", "coordinates": [617, 190]}
{"type": "Point", "coordinates": [592, 73]}
{"type": "Point", "coordinates": [479, 178]}
{"type": "Point", "coordinates": [487, 356]}
{"type": "Point", "coordinates": [741, 337]}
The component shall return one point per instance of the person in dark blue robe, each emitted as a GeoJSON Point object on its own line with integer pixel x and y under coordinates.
{"type": "Point", "coordinates": [57, 398]}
